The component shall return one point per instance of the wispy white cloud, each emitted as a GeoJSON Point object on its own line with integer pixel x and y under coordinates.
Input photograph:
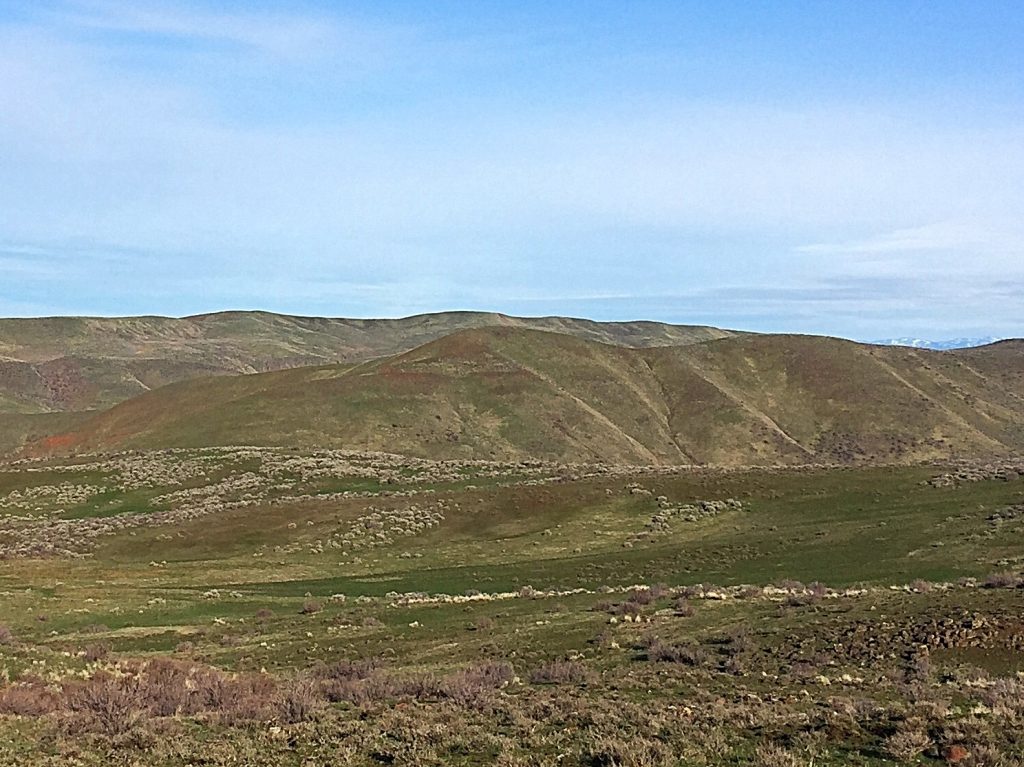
{"type": "Point", "coordinates": [854, 307]}
{"type": "Point", "coordinates": [418, 199]}
{"type": "Point", "coordinates": [23, 268]}
{"type": "Point", "coordinates": [945, 236]}
{"type": "Point", "coordinates": [288, 35]}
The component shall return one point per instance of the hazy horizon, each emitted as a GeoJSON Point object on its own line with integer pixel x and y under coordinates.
{"type": "Point", "coordinates": [895, 340]}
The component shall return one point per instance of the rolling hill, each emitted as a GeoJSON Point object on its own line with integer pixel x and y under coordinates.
{"type": "Point", "coordinates": [61, 364]}
{"type": "Point", "coordinates": [510, 393]}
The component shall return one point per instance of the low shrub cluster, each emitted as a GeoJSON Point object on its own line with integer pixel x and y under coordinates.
{"type": "Point", "coordinates": [687, 654]}
{"type": "Point", "coordinates": [561, 671]}
{"type": "Point", "coordinates": [117, 701]}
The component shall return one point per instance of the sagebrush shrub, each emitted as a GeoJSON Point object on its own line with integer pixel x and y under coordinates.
{"type": "Point", "coordinates": [560, 671]}
{"type": "Point", "coordinates": [27, 700]}
{"type": "Point", "coordinates": [164, 686]}
{"type": "Point", "coordinates": [687, 654]}
{"type": "Point", "coordinates": [683, 608]}
{"type": "Point", "coordinates": [347, 670]}
{"type": "Point", "coordinates": [771, 755]}
{"type": "Point", "coordinates": [659, 590]}
{"type": "Point", "coordinates": [112, 705]}
{"type": "Point", "coordinates": [247, 698]}
{"type": "Point", "coordinates": [627, 752]}
{"type": "Point", "coordinates": [641, 597]}
{"type": "Point", "coordinates": [95, 652]}
{"type": "Point", "coordinates": [907, 743]}
{"type": "Point", "coordinates": [298, 702]}
{"type": "Point", "coordinates": [921, 586]}
{"type": "Point", "coordinates": [1003, 581]}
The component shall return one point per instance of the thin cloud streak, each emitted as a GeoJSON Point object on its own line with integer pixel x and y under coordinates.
{"type": "Point", "coordinates": [935, 237]}
{"type": "Point", "coordinates": [284, 35]}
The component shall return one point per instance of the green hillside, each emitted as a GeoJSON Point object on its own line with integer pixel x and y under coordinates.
{"type": "Point", "coordinates": [509, 394]}
{"type": "Point", "coordinates": [78, 363]}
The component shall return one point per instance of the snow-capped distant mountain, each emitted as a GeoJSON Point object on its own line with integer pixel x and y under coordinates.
{"type": "Point", "coordinates": [950, 343]}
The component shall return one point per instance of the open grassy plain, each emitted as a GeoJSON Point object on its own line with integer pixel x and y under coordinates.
{"type": "Point", "coordinates": [269, 606]}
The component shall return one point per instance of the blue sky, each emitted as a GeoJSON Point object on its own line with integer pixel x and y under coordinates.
{"type": "Point", "coordinates": [852, 168]}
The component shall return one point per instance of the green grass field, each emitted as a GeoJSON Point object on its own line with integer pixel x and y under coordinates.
{"type": "Point", "coordinates": [237, 560]}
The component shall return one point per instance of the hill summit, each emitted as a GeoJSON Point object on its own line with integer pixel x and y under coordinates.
{"type": "Point", "coordinates": [60, 364]}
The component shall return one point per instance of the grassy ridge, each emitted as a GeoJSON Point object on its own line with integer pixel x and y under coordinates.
{"type": "Point", "coordinates": [508, 394]}
{"type": "Point", "coordinates": [77, 363]}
